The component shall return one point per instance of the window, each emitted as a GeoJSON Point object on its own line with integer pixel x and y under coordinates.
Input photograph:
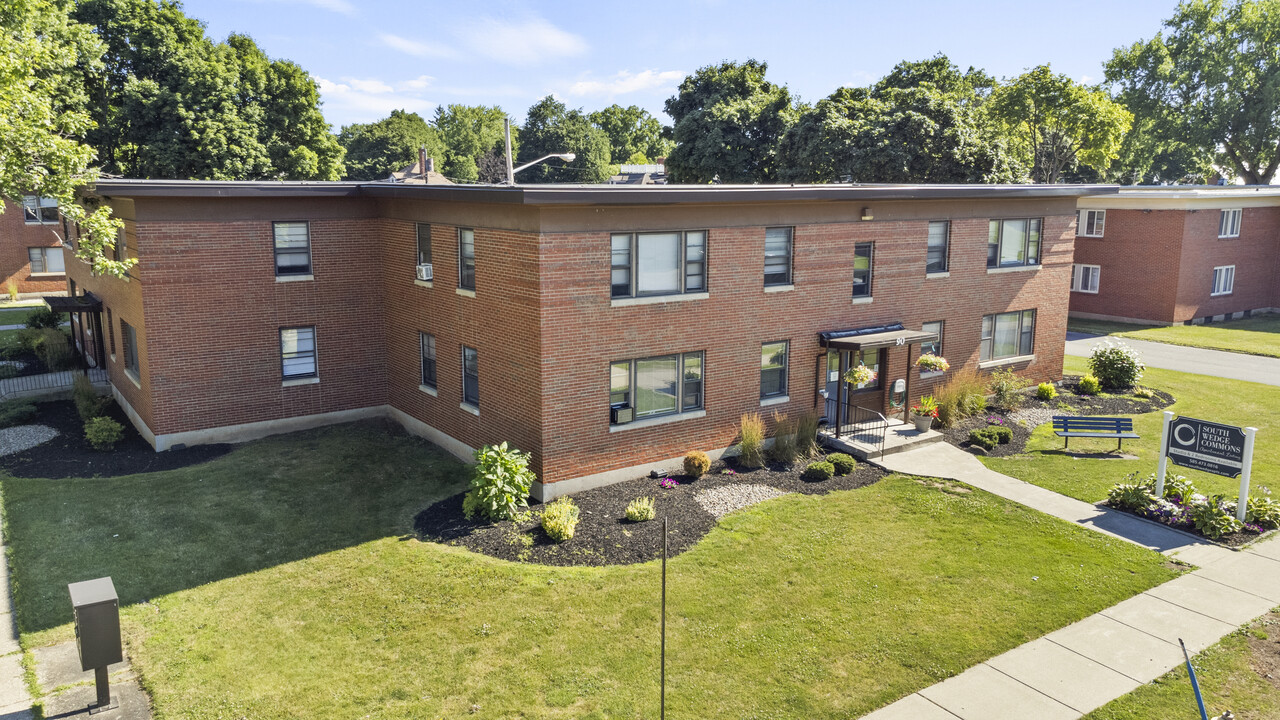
{"type": "Point", "coordinates": [46, 259]}
{"type": "Point", "coordinates": [293, 248]}
{"type": "Point", "coordinates": [663, 385]}
{"type": "Point", "coordinates": [939, 239]}
{"type": "Point", "coordinates": [470, 376]}
{"type": "Point", "coordinates": [129, 346]}
{"type": "Point", "coordinates": [1224, 280]}
{"type": "Point", "coordinates": [777, 256]}
{"type": "Point", "coordinates": [298, 352]}
{"type": "Point", "coordinates": [659, 263]}
{"type": "Point", "coordinates": [1091, 223]}
{"type": "Point", "coordinates": [934, 348]}
{"type": "Point", "coordinates": [111, 335]}
{"type": "Point", "coordinates": [120, 252]}
{"type": "Point", "coordinates": [1013, 242]}
{"type": "Point", "coordinates": [862, 270]}
{"type": "Point", "coordinates": [39, 210]}
{"type": "Point", "coordinates": [466, 259]}
{"type": "Point", "coordinates": [427, 346]}
{"type": "Point", "coordinates": [870, 358]}
{"type": "Point", "coordinates": [1007, 335]}
{"type": "Point", "coordinates": [424, 243]}
{"type": "Point", "coordinates": [1084, 278]}
{"type": "Point", "coordinates": [773, 369]}
{"type": "Point", "coordinates": [1229, 223]}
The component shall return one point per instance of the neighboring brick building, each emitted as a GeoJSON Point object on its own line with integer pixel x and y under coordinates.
{"type": "Point", "coordinates": [1168, 255]}
{"type": "Point", "coordinates": [603, 329]}
{"type": "Point", "coordinates": [30, 258]}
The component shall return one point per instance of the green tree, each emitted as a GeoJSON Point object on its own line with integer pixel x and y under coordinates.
{"type": "Point", "coordinates": [43, 117]}
{"type": "Point", "coordinates": [1211, 80]}
{"type": "Point", "coordinates": [375, 150]}
{"type": "Point", "coordinates": [1056, 124]}
{"type": "Point", "coordinates": [632, 131]}
{"type": "Point", "coordinates": [468, 132]}
{"type": "Point", "coordinates": [551, 128]}
{"type": "Point", "coordinates": [728, 123]}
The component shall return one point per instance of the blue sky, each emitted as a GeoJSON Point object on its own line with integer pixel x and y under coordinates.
{"type": "Point", "coordinates": [373, 56]}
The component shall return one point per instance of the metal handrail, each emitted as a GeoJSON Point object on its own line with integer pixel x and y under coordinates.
{"type": "Point", "coordinates": [31, 385]}
{"type": "Point", "coordinates": [867, 427]}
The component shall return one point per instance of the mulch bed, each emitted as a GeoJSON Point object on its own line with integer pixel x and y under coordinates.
{"type": "Point", "coordinates": [1239, 538]}
{"type": "Point", "coordinates": [70, 456]}
{"type": "Point", "coordinates": [604, 536]}
{"type": "Point", "coordinates": [1068, 402]}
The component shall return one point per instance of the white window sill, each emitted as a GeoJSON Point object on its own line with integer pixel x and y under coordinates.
{"type": "Point", "coordinates": [1013, 268]}
{"type": "Point", "coordinates": [1095, 237]}
{"type": "Point", "coordinates": [1006, 361]}
{"type": "Point", "coordinates": [1085, 292]}
{"type": "Point", "coordinates": [133, 378]}
{"type": "Point", "coordinates": [657, 299]}
{"type": "Point", "coordinates": [943, 274]}
{"type": "Point", "coordinates": [1220, 294]}
{"type": "Point", "coordinates": [423, 283]}
{"type": "Point", "coordinates": [300, 381]}
{"type": "Point", "coordinates": [294, 278]}
{"type": "Point", "coordinates": [934, 374]}
{"type": "Point", "coordinates": [465, 292]}
{"type": "Point", "coordinates": [429, 390]}
{"type": "Point", "coordinates": [779, 288]}
{"type": "Point", "coordinates": [1228, 237]}
{"type": "Point", "coordinates": [664, 420]}
{"type": "Point", "coordinates": [781, 399]}
{"type": "Point", "coordinates": [862, 301]}
{"type": "Point", "coordinates": [470, 408]}
{"type": "Point", "coordinates": [47, 274]}
{"type": "Point", "coordinates": [28, 222]}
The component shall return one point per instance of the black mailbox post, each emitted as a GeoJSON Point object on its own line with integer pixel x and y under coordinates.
{"type": "Point", "coordinates": [97, 614]}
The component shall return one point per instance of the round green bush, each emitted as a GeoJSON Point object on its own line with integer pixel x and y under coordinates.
{"type": "Point", "coordinates": [500, 483]}
{"type": "Point", "coordinates": [820, 470]}
{"type": "Point", "coordinates": [1116, 365]}
{"type": "Point", "coordinates": [1046, 391]}
{"type": "Point", "coordinates": [984, 438]}
{"type": "Point", "coordinates": [1089, 385]}
{"type": "Point", "coordinates": [43, 318]}
{"type": "Point", "coordinates": [844, 464]}
{"type": "Point", "coordinates": [103, 433]}
{"type": "Point", "coordinates": [1002, 434]}
{"type": "Point", "coordinates": [560, 519]}
{"type": "Point", "coordinates": [696, 463]}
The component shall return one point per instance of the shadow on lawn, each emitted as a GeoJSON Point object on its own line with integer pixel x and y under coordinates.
{"type": "Point", "coordinates": [266, 503]}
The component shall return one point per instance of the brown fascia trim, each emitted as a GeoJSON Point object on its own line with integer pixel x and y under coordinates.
{"type": "Point", "coordinates": [592, 194]}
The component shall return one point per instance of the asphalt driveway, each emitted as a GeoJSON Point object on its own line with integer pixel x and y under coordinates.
{"type": "Point", "coordinates": [1235, 366]}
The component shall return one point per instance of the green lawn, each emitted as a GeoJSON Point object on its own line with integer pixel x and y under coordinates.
{"type": "Point", "coordinates": [1255, 336]}
{"type": "Point", "coordinates": [14, 317]}
{"type": "Point", "coordinates": [1227, 682]}
{"type": "Point", "coordinates": [1232, 402]}
{"type": "Point", "coordinates": [279, 582]}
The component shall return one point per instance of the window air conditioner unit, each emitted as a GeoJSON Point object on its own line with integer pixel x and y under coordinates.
{"type": "Point", "coordinates": [424, 272]}
{"type": "Point", "coordinates": [619, 414]}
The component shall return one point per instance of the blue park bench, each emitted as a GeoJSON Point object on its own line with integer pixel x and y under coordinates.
{"type": "Point", "coordinates": [1067, 427]}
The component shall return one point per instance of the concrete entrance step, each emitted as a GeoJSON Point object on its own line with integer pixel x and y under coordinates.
{"type": "Point", "coordinates": [898, 437]}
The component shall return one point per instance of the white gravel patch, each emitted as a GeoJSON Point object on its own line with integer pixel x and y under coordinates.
{"type": "Point", "coordinates": [721, 501]}
{"type": "Point", "coordinates": [24, 437]}
{"type": "Point", "coordinates": [1031, 417]}
{"type": "Point", "coordinates": [13, 363]}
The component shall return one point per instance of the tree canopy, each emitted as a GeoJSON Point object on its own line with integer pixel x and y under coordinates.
{"type": "Point", "coordinates": [633, 133]}
{"type": "Point", "coordinates": [551, 128]}
{"type": "Point", "coordinates": [468, 132]}
{"type": "Point", "coordinates": [376, 149]}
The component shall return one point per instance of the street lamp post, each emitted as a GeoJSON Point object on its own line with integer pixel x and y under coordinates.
{"type": "Point", "coordinates": [511, 172]}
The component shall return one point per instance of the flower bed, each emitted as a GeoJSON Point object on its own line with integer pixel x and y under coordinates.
{"type": "Point", "coordinates": [1181, 507]}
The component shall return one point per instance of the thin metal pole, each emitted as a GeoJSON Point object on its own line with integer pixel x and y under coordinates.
{"type": "Point", "coordinates": [1243, 501]}
{"type": "Point", "coordinates": [103, 687]}
{"type": "Point", "coordinates": [1164, 453]}
{"type": "Point", "coordinates": [662, 712]}
{"type": "Point", "coordinates": [1195, 684]}
{"type": "Point", "coordinates": [511, 176]}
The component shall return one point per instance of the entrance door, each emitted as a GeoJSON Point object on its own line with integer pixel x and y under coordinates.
{"type": "Point", "coordinates": [869, 395]}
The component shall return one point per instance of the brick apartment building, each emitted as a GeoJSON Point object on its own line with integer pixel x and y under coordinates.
{"type": "Point", "coordinates": [605, 329]}
{"type": "Point", "coordinates": [30, 254]}
{"type": "Point", "coordinates": [1178, 254]}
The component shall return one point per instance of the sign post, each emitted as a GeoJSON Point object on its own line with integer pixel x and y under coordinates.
{"type": "Point", "coordinates": [1164, 456]}
{"type": "Point", "coordinates": [1223, 450]}
{"type": "Point", "coordinates": [1243, 502]}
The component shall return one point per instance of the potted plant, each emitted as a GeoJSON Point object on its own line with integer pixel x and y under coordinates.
{"type": "Point", "coordinates": [860, 375]}
{"type": "Point", "coordinates": [929, 362]}
{"type": "Point", "coordinates": [924, 413]}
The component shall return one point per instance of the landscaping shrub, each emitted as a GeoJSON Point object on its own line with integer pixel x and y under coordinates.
{"type": "Point", "coordinates": [984, 438]}
{"type": "Point", "coordinates": [641, 509]}
{"type": "Point", "coordinates": [1116, 365]}
{"type": "Point", "coordinates": [1211, 519]}
{"type": "Point", "coordinates": [696, 463]}
{"type": "Point", "coordinates": [807, 434]}
{"type": "Point", "coordinates": [843, 464]}
{"type": "Point", "coordinates": [500, 483]}
{"type": "Point", "coordinates": [16, 412]}
{"type": "Point", "coordinates": [1263, 511]}
{"type": "Point", "coordinates": [1133, 496]}
{"type": "Point", "coordinates": [88, 402]}
{"type": "Point", "coordinates": [1175, 486]}
{"type": "Point", "coordinates": [751, 445]}
{"type": "Point", "coordinates": [11, 287]}
{"type": "Point", "coordinates": [820, 470]}
{"type": "Point", "coordinates": [560, 519]}
{"type": "Point", "coordinates": [51, 346]}
{"type": "Point", "coordinates": [103, 433]}
{"type": "Point", "coordinates": [1144, 393]}
{"type": "Point", "coordinates": [1089, 385]}
{"type": "Point", "coordinates": [1007, 387]}
{"type": "Point", "coordinates": [1046, 391]}
{"type": "Point", "coordinates": [1003, 434]}
{"type": "Point", "coordinates": [784, 439]}
{"type": "Point", "coordinates": [964, 395]}
{"type": "Point", "coordinates": [42, 318]}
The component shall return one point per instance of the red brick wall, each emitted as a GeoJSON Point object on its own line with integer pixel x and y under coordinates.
{"type": "Point", "coordinates": [15, 264]}
{"type": "Point", "coordinates": [1140, 258]}
{"type": "Point", "coordinates": [1253, 254]}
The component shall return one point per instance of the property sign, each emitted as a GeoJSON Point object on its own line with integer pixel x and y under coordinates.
{"type": "Point", "coordinates": [1207, 446]}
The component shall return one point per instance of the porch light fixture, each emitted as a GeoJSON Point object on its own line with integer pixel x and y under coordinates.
{"type": "Point", "coordinates": [866, 214]}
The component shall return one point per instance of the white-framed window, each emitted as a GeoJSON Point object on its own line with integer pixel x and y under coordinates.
{"type": "Point", "coordinates": [129, 345]}
{"type": "Point", "coordinates": [1224, 279]}
{"type": "Point", "coordinates": [298, 352]}
{"type": "Point", "coordinates": [427, 348]}
{"type": "Point", "coordinates": [39, 210]}
{"type": "Point", "coordinates": [862, 256]}
{"type": "Point", "coordinates": [934, 348]}
{"type": "Point", "coordinates": [777, 256]}
{"type": "Point", "coordinates": [1013, 241]}
{"type": "Point", "coordinates": [46, 260]}
{"type": "Point", "coordinates": [1006, 335]}
{"type": "Point", "coordinates": [470, 376]}
{"type": "Point", "coordinates": [657, 386]}
{"type": "Point", "coordinates": [1092, 223]}
{"type": "Point", "coordinates": [773, 369]}
{"type": "Point", "coordinates": [293, 248]}
{"type": "Point", "coordinates": [467, 259]}
{"type": "Point", "coordinates": [1229, 223]}
{"type": "Point", "coordinates": [660, 263]}
{"type": "Point", "coordinates": [1084, 278]}
{"type": "Point", "coordinates": [939, 239]}
{"type": "Point", "coordinates": [424, 243]}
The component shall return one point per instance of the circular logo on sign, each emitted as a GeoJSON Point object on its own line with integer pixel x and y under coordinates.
{"type": "Point", "coordinates": [1177, 435]}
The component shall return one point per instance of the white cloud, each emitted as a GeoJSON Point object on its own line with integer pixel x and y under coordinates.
{"type": "Point", "coordinates": [372, 86]}
{"type": "Point", "coordinates": [415, 47]}
{"type": "Point", "coordinates": [342, 7]}
{"type": "Point", "coordinates": [626, 82]}
{"type": "Point", "coordinates": [366, 100]}
{"type": "Point", "coordinates": [422, 82]}
{"type": "Point", "coordinates": [1086, 80]}
{"type": "Point", "coordinates": [522, 42]}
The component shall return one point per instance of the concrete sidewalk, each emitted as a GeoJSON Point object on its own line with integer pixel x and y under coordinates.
{"type": "Point", "coordinates": [15, 701]}
{"type": "Point", "coordinates": [1070, 672]}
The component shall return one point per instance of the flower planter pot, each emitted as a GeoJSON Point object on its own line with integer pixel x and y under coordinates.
{"type": "Point", "coordinates": [923, 422]}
